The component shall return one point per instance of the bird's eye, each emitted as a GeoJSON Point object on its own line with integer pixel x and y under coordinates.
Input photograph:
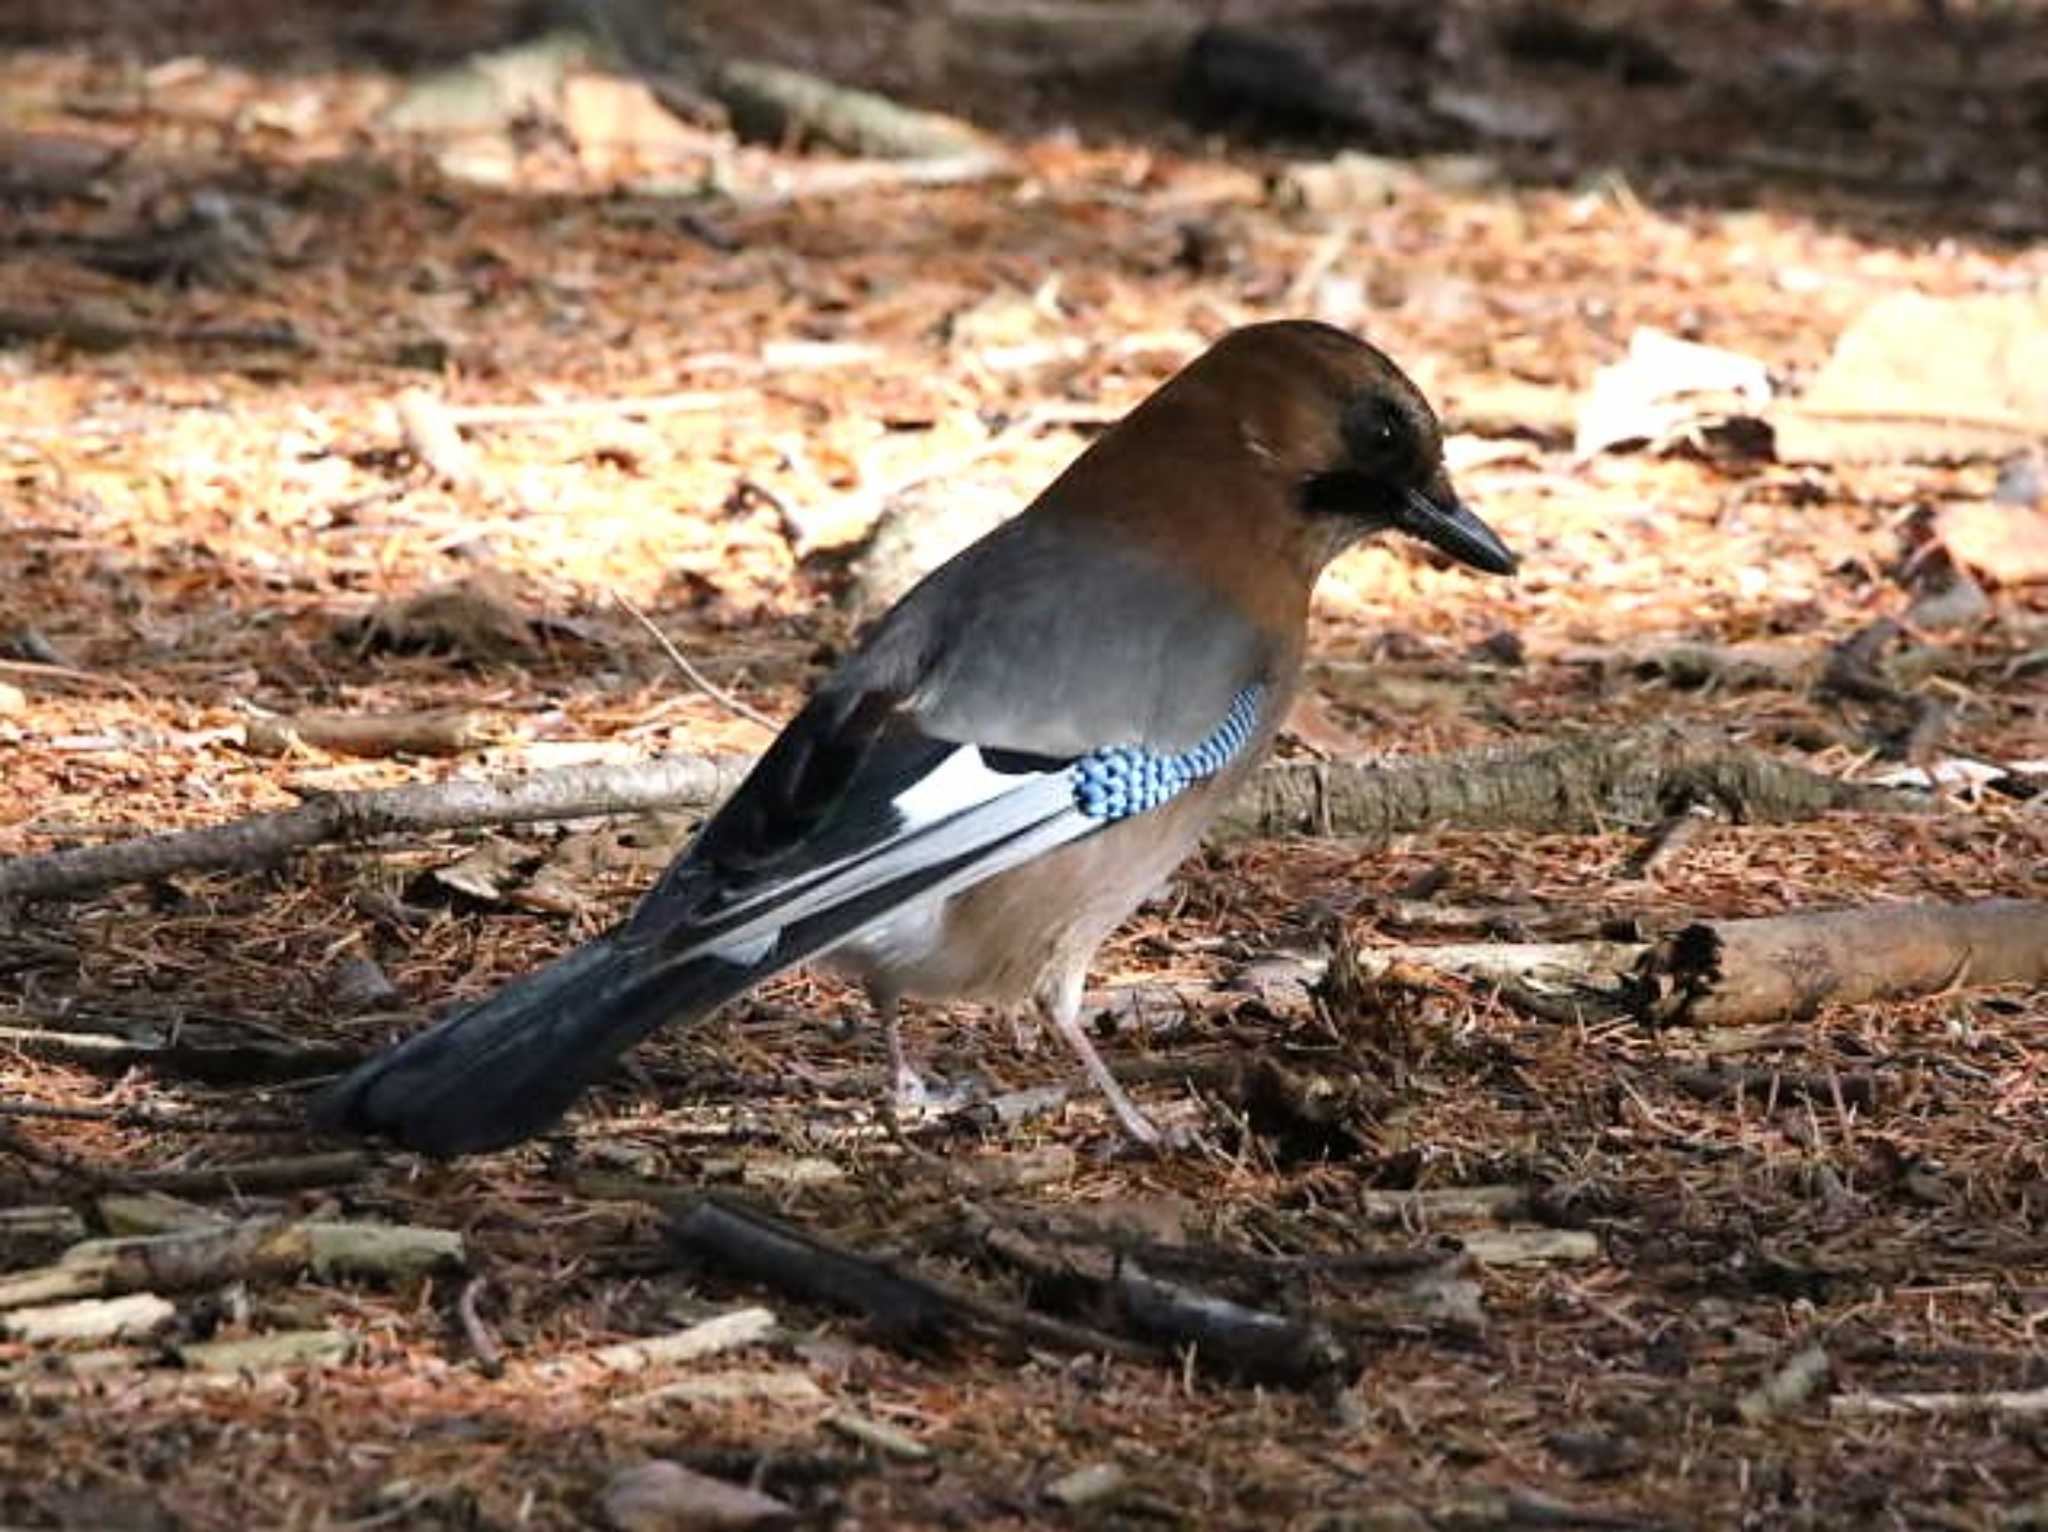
{"type": "Point", "coordinates": [1376, 434]}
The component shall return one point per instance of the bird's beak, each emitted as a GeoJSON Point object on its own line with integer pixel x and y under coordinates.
{"type": "Point", "coordinates": [1438, 516]}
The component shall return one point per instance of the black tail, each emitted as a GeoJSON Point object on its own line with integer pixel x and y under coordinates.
{"type": "Point", "coordinates": [509, 1066]}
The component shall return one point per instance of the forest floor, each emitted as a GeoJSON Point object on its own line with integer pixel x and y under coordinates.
{"type": "Point", "coordinates": [209, 486]}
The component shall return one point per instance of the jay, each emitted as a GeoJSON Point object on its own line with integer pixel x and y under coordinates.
{"type": "Point", "coordinates": [1012, 758]}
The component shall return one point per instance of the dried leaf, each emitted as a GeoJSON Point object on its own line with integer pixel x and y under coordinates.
{"type": "Point", "coordinates": [2006, 543]}
{"type": "Point", "coordinates": [1919, 379]}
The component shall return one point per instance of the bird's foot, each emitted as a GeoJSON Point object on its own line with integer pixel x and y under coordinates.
{"type": "Point", "coordinates": [913, 1098]}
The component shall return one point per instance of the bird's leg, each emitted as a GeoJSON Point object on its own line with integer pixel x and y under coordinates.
{"type": "Point", "coordinates": [1059, 1002]}
{"type": "Point", "coordinates": [906, 1093]}
{"type": "Point", "coordinates": [1024, 1033]}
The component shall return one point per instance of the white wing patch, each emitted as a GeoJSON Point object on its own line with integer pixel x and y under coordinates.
{"type": "Point", "coordinates": [962, 780]}
{"type": "Point", "coordinates": [962, 815]}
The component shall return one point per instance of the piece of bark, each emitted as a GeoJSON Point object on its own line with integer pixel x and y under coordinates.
{"type": "Point", "coordinates": [370, 735]}
{"type": "Point", "coordinates": [129, 1317]}
{"type": "Point", "coordinates": [575, 792]}
{"type": "Point", "coordinates": [251, 1249]}
{"type": "Point", "coordinates": [1731, 972]}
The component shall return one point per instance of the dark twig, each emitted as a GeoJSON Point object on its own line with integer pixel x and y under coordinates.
{"type": "Point", "coordinates": [907, 1307]}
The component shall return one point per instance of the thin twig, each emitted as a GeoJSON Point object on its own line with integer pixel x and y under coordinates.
{"type": "Point", "coordinates": [692, 674]}
{"type": "Point", "coordinates": [44, 670]}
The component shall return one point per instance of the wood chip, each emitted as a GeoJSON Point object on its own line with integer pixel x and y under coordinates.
{"type": "Point", "coordinates": [722, 1332]}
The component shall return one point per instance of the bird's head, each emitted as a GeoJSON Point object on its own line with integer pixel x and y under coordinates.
{"type": "Point", "coordinates": [1357, 446]}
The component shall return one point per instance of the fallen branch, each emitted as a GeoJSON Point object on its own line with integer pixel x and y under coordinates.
{"type": "Point", "coordinates": [905, 1307]}
{"type": "Point", "coordinates": [2017, 1403]}
{"type": "Point", "coordinates": [1581, 785]}
{"type": "Point", "coordinates": [1729, 972]}
{"type": "Point", "coordinates": [575, 792]}
{"type": "Point", "coordinates": [258, 1177]}
{"type": "Point", "coordinates": [253, 1248]}
{"type": "Point", "coordinates": [1578, 786]}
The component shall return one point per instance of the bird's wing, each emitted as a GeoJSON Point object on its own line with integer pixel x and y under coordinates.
{"type": "Point", "coordinates": [963, 739]}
